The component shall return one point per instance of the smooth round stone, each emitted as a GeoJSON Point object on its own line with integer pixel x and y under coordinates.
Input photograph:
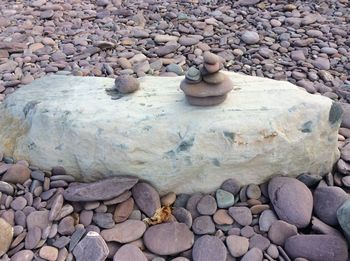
{"type": "Point", "coordinates": [49, 253]}
{"type": "Point", "coordinates": [91, 248]}
{"type": "Point", "coordinates": [214, 78]}
{"type": "Point", "coordinates": [203, 225]}
{"type": "Point", "coordinates": [18, 203]}
{"type": "Point", "coordinates": [266, 219]}
{"type": "Point", "coordinates": [56, 207]}
{"type": "Point", "coordinates": [193, 75]}
{"type": "Point", "coordinates": [254, 254]}
{"type": "Point", "coordinates": [66, 226]}
{"type": "Point", "coordinates": [237, 245]}
{"type": "Point", "coordinates": [280, 231]}
{"type": "Point", "coordinates": [23, 255]}
{"type": "Point", "coordinates": [6, 188]}
{"type": "Point", "coordinates": [309, 180]}
{"type": "Point", "coordinates": [292, 200]}
{"type": "Point", "coordinates": [175, 68]}
{"type": "Point", "coordinates": [317, 247]}
{"type": "Point", "coordinates": [181, 200]}
{"type": "Point", "coordinates": [146, 198]}
{"type": "Point", "coordinates": [168, 238]}
{"type": "Point", "coordinates": [207, 205]}
{"type": "Point", "coordinates": [191, 204]}
{"type": "Point", "coordinates": [224, 198]}
{"type": "Point", "coordinates": [272, 251]}
{"type": "Point", "coordinates": [32, 238]}
{"type": "Point", "coordinates": [6, 234]}
{"type": "Point", "coordinates": [125, 232]}
{"type": "Point", "coordinates": [17, 173]}
{"type": "Point", "coordinates": [221, 217]}
{"type": "Point", "coordinates": [241, 215]}
{"type": "Point", "coordinates": [231, 185]}
{"type": "Point", "coordinates": [343, 214]}
{"type": "Point", "coordinates": [182, 215]}
{"type": "Point", "coordinates": [211, 68]}
{"type": "Point", "coordinates": [126, 84]}
{"type": "Point", "coordinates": [259, 241]}
{"type": "Point", "coordinates": [129, 252]}
{"type": "Point", "coordinates": [210, 58]}
{"type": "Point", "coordinates": [247, 231]}
{"type": "Point", "coordinates": [206, 101]}
{"type": "Point", "coordinates": [103, 220]}
{"type": "Point", "coordinates": [326, 202]}
{"type": "Point", "coordinates": [209, 248]}
{"type": "Point", "coordinates": [250, 37]}
{"type": "Point", "coordinates": [168, 199]}
{"type": "Point", "coordinates": [123, 210]}
{"type": "Point", "coordinates": [259, 208]}
{"type": "Point", "coordinates": [253, 191]}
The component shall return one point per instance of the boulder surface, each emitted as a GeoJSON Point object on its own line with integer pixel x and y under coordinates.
{"type": "Point", "coordinates": [264, 127]}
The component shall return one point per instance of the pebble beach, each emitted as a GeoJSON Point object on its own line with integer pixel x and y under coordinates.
{"type": "Point", "coordinates": [47, 215]}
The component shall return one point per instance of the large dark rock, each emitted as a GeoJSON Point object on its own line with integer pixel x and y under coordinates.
{"type": "Point", "coordinates": [317, 247]}
{"type": "Point", "coordinates": [100, 190]}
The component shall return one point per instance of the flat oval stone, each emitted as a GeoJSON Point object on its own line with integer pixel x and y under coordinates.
{"type": "Point", "coordinates": [231, 185]}
{"type": "Point", "coordinates": [103, 220]}
{"type": "Point", "coordinates": [237, 245]}
{"type": "Point", "coordinates": [280, 231]}
{"type": "Point", "coordinates": [168, 238]}
{"type": "Point", "coordinates": [66, 226]}
{"type": "Point", "coordinates": [210, 58]}
{"type": "Point", "coordinates": [254, 254]}
{"type": "Point", "coordinates": [241, 215]}
{"type": "Point", "coordinates": [48, 253]}
{"type": "Point", "coordinates": [326, 202]}
{"type": "Point", "coordinates": [146, 198]}
{"type": "Point", "coordinates": [292, 200]}
{"type": "Point", "coordinates": [203, 225]}
{"type": "Point", "coordinates": [207, 205]}
{"type": "Point", "coordinates": [56, 207]}
{"type": "Point", "coordinates": [129, 252]}
{"type": "Point", "coordinates": [23, 255]}
{"type": "Point", "coordinates": [39, 219]}
{"type": "Point", "coordinates": [266, 219]}
{"type": "Point", "coordinates": [6, 188]}
{"type": "Point", "coordinates": [17, 173]}
{"type": "Point", "coordinates": [193, 75]}
{"type": "Point", "coordinates": [317, 247]}
{"type": "Point", "coordinates": [6, 234]}
{"type": "Point", "coordinates": [125, 232]}
{"type": "Point", "coordinates": [214, 78]}
{"type": "Point", "coordinates": [343, 214]}
{"type": "Point", "coordinates": [91, 248]}
{"type": "Point", "coordinates": [250, 37]}
{"type": "Point", "coordinates": [203, 89]}
{"type": "Point", "coordinates": [221, 217]}
{"type": "Point", "coordinates": [126, 84]}
{"type": "Point", "coordinates": [211, 68]}
{"type": "Point", "coordinates": [224, 198]}
{"type": "Point", "coordinates": [18, 203]}
{"type": "Point", "coordinates": [209, 248]}
{"type": "Point", "coordinates": [206, 101]}
{"type": "Point", "coordinates": [101, 190]}
{"type": "Point", "coordinates": [182, 215]}
{"type": "Point", "coordinates": [123, 210]}
{"type": "Point", "coordinates": [32, 238]}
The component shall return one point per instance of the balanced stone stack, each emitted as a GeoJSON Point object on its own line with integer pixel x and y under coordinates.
{"type": "Point", "coordinates": [206, 86]}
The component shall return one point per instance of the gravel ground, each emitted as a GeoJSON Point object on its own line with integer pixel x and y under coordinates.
{"type": "Point", "coordinates": [304, 42]}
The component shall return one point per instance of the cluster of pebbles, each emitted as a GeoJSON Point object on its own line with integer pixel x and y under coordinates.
{"type": "Point", "coordinates": [46, 215]}
{"type": "Point", "coordinates": [206, 86]}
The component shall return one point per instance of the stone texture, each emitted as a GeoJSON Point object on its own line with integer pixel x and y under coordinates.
{"type": "Point", "coordinates": [168, 238]}
{"type": "Point", "coordinates": [6, 234]}
{"type": "Point", "coordinates": [267, 111]}
{"type": "Point", "coordinates": [17, 173]}
{"type": "Point", "coordinates": [317, 247]}
{"type": "Point", "coordinates": [237, 245]}
{"type": "Point", "coordinates": [280, 231]}
{"type": "Point", "coordinates": [292, 200]}
{"type": "Point", "coordinates": [343, 214]}
{"type": "Point", "coordinates": [146, 198]}
{"type": "Point", "coordinates": [23, 255]}
{"type": "Point", "coordinates": [49, 253]}
{"type": "Point", "coordinates": [209, 248]}
{"type": "Point", "coordinates": [125, 232]}
{"type": "Point", "coordinates": [129, 252]}
{"type": "Point", "coordinates": [101, 190]}
{"type": "Point", "coordinates": [91, 248]}
{"type": "Point", "coordinates": [241, 215]}
{"type": "Point", "coordinates": [326, 202]}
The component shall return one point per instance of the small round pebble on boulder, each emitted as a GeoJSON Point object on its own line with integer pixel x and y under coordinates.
{"type": "Point", "coordinates": [126, 84]}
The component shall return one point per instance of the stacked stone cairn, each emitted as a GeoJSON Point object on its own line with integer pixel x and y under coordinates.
{"type": "Point", "coordinates": [206, 86]}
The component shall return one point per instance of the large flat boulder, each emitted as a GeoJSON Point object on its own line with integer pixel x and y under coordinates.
{"type": "Point", "coordinates": [264, 127]}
